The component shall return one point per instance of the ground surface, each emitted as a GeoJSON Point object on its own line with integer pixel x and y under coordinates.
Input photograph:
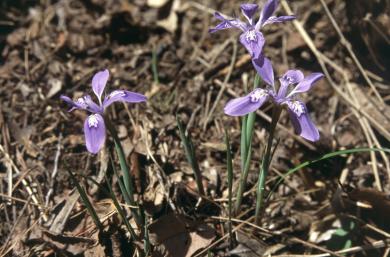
{"type": "Point", "coordinates": [49, 48]}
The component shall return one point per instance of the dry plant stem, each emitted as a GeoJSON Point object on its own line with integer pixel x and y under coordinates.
{"type": "Point", "coordinates": [322, 59]}
{"type": "Point", "coordinates": [265, 163]}
{"type": "Point", "coordinates": [25, 183]}
{"type": "Point", "coordinates": [348, 46]}
{"type": "Point", "coordinates": [222, 89]}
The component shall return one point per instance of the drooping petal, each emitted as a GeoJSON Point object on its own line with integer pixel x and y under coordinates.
{"type": "Point", "coordinates": [227, 24]}
{"type": "Point", "coordinates": [246, 104]}
{"type": "Point", "coordinates": [301, 121]}
{"type": "Point", "coordinates": [267, 11]}
{"type": "Point", "coordinates": [95, 132]}
{"type": "Point", "coordinates": [248, 10]}
{"type": "Point", "coordinates": [123, 96]}
{"type": "Point", "coordinates": [263, 66]}
{"type": "Point", "coordinates": [99, 82]}
{"type": "Point", "coordinates": [253, 41]}
{"type": "Point", "coordinates": [274, 19]}
{"type": "Point", "coordinates": [306, 83]}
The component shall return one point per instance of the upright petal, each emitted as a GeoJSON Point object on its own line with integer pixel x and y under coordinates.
{"type": "Point", "coordinates": [123, 96]}
{"type": "Point", "coordinates": [253, 41]}
{"type": "Point", "coordinates": [289, 78]}
{"type": "Point", "coordinates": [264, 68]}
{"type": "Point", "coordinates": [99, 82]}
{"type": "Point", "coordinates": [227, 24]}
{"type": "Point", "coordinates": [306, 83]}
{"type": "Point", "coordinates": [301, 121]}
{"type": "Point", "coordinates": [274, 19]}
{"type": "Point", "coordinates": [267, 11]}
{"type": "Point", "coordinates": [293, 76]}
{"type": "Point", "coordinates": [249, 103]}
{"type": "Point", "coordinates": [95, 132]}
{"type": "Point", "coordinates": [248, 10]}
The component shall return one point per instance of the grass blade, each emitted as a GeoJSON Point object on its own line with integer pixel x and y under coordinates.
{"type": "Point", "coordinates": [86, 202]}
{"type": "Point", "coordinates": [324, 157]}
{"type": "Point", "coordinates": [229, 166]}
{"type": "Point", "coordinates": [120, 210]}
{"type": "Point", "coordinates": [191, 157]}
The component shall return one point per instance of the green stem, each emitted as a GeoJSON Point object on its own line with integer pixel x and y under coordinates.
{"type": "Point", "coordinates": [243, 178]}
{"type": "Point", "coordinates": [229, 165]}
{"type": "Point", "coordinates": [248, 123]}
{"type": "Point", "coordinates": [243, 146]}
{"type": "Point", "coordinates": [191, 157]}
{"type": "Point", "coordinates": [128, 179]}
{"type": "Point", "coordinates": [266, 162]}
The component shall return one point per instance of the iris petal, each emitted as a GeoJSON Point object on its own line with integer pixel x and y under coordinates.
{"type": "Point", "coordinates": [99, 82]}
{"type": "Point", "coordinates": [95, 133]}
{"type": "Point", "coordinates": [123, 96]}
{"type": "Point", "coordinates": [248, 10]}
{"type": "Point", "coordinates": [274, 19]}
{"type": "Point", "coordinates": [264, 68]}
{"type": "Point", "coordinates": [306, 83]}
{"type": "Point", "coordinates": [246, 104]}
{"type": "Point", "coordinates": [302, 122]}
{"type": "Point", "coordinates": [253, 41]}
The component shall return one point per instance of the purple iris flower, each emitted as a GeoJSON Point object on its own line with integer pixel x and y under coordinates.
{"type": "Point", "coordinates": [94, 126]}
{"type": "Point", "coordinates": [252, 38]}
{"type": "Point", "coordinates": [292, 83]}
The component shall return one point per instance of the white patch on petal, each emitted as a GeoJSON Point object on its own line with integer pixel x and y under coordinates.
{"type": "Point", "coordinates": [81, 102]}
{"type": "Point", "coordinates": [257, 95]}
{"type": "Point", "coordinates": [93, 121]}
{"type": "Point", "coordinates": [296, 107]}
{"type": "Point", "coordinates": [116, 93]}
{"type": "Point", "coordinates": [250, 35]}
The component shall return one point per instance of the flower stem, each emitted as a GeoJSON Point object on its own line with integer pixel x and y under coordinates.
{"type": "Point", "coordinates": [265, 163]}
{"type": "Point", "coordinates": [128, 179]}
{"type": "Point", "coordinates": [229, 166]}
{"type": "Point", "coordinates": [248, 123]}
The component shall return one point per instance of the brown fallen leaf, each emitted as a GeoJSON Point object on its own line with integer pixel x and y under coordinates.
{"type": "Point", "coordinates": [175, 236]}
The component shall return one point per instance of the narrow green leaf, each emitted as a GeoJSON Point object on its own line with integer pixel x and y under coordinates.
{"type": "Point", "coordinates": [229, 166]}
{"type": "Point", "coordinates": [86, 202]}
{"type": "Point", "coordinates": [324, 157]}
{"type": "Point", "coordinates": [191, 157]}
{"type": "Point", "coordinates": [120, 211]}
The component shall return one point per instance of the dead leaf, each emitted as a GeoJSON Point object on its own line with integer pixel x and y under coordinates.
{"type": "Point", "coordinates": [248, 247]}
{"type": "Point", "coordinates": [157, 3]}
{"type": "Point", "coordinates": [171, 22]}
{"type": "Point", "coordinates": [175, 236]}
{"type": "Point", "coordinates": [55, 87]}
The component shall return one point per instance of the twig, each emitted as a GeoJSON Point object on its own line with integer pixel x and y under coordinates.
{"type": "Point", "coordinates": [54, 172]}
{"type": "Point", "coordinates": [348, 46]}
{"type": "Point", "coordinates": [24, 182]}
{"type": "Point", "coordinates": [223, 87]}
{"type": "Point", "coordinates": [287, 237]}
{"type": "Point", "coordinates": [322, 59]}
